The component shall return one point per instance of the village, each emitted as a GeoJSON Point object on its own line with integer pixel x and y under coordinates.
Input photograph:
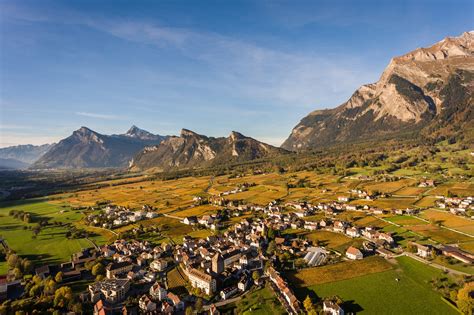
{"type": "Point", "coordinates": [255, 251]}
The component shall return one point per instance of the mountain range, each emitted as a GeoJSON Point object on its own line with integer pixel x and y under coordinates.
{"type": "Point", "coordinates": [21, 156]}
{"type": "Point", "coordinates": [86, 148]}
{"type": "Point", "coordinates": [427, 91]}
{"type": "Point", "coordinates": [191, 150]}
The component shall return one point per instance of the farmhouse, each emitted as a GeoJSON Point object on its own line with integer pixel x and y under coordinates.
{"type": "Point", "coordinates": [354, 253]}
{"type": "Point", "coordinates": [423, 250]}
{"type": "Point", "coordinates": [332, 308]}
{"type": "Point", "coordinates": [190, 220]}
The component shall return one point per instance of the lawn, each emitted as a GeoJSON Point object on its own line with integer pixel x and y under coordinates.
{"type": "Point", "coordinates": [336, 272]}
{"type": "Point", "coordinates": [51, 244]}
{"type": "Point", "coordinates": [379, 293]}
{"type": "Point", "coordinates": [261, 302]}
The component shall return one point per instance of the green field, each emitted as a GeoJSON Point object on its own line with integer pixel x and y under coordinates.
{"type": "Point", "coordinates": [260, 302]}
{"type": "Point", "coordinates": [51, 244]}
{"type": "Point", "coordinates": [380, 293]}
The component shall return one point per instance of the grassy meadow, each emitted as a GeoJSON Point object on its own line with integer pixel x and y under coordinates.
{"type": "Point", "coordinates": [380, 293]}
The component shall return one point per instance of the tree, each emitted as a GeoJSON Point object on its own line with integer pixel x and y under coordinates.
{"type": "Point", "coordinates": [300, 263]}
{"type": "Point", "coordinates": [255, 275]}
{"type": "Point", "coordinates": [13, 260]}
{"type": "Point", "coordinates": [17, 273]}
{"type": "Point", "coordinates": [198, 305]}
{"type": "Point", "coordinates": [98, 269]}
{"type": "Point", "coordinates": [309, 306]}
{"type": "Point", "coordinates": [62, 297]}
{"type": "Point", "coordinates": [465, 300]}
{"type": "Point", "coordinates": [35, 290]}
{"type": "Point", "coordinates": [59, 277]}
{"type": "Point", "coordinates": [26, 266]}
{"type": "Point", "coordinates": [271, 248]}
{"type": "Point", "coordinates": [49, 287]}
{"type": "Point", "coordinates": [189, 310]}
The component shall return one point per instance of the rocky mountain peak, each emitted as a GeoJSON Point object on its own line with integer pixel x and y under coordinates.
{"type": "Point", "coordinates": [234, 135]}
{"type": "Point", "coordinates": [413, 91]}
{"type": "Point", "coordinates": [188, 133]}
{"type": "Point", "coordinates": [459, 46]}
{"type": "Point", "coordinates": [135, 132]}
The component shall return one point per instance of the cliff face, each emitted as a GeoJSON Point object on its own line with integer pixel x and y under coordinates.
{"type": "Point", "coordinates": [413, 94]}
{"type": "Point", "coordinates": [193, 150]}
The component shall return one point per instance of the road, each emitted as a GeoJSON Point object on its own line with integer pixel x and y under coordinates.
{"type": "Point", "coordinates": [172, 217]}
{"type": "Point", "coordinates": [435, 265]}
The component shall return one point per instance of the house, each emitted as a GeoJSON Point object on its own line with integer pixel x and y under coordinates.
{"type": "Point", "coordinates": [354, 253]}
{"type": "Point", "coordinates": [353, 232]}
{"type": "Point", "coordinates": [190, 220]}
{"type": "Point", "coordinates": [309, 225]}
{"type": "Point", "coordinates": [174, 300]}
{"type": "Point", "coordinates": [158, 292]}
{"type": "Point", "coordinates": [228, 292]}
{"type": "Point", "coordinates": [244, 283]}
{"type": "Point", "coordinates": [146, 305]}
{"type": "Point", "coordinates": [111, 290]}
{"type": "Point", "coordinates": [115, 268]}
{"type": "Point", "coordinates": [200, 279]}
{"type": "Point", "coordinates": [343, 199]}
{"type": "Point", "coordinates": [332, 308]}
{"type": "Point", "coordinates": [158, 265]}
{"type": "Point", "coordinates": [423, 250]}
{"type": "Point", "coordinates": [387, 237]}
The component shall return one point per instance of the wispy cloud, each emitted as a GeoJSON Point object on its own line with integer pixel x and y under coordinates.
{"type": "Point", "coordinates": [237, 67]}
{"type": "Point", "coordinates": [99, 116]}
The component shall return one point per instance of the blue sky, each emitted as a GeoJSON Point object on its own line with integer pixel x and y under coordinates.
{"type": "Point", "coordinates": [256, 67]}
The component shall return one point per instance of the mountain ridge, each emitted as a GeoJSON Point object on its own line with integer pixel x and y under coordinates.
{"type": "Point", "coordinates": [86, 148]}
{"type": "Point", "coordinates": [190, 150]}
{"type": "Point", "coordinates": [407, 97]}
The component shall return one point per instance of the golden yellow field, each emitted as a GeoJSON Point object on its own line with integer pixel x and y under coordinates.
{"type": "Point", "coordinates": [450, 220]}
{"type": "Point", "coordinates": [340, 271]}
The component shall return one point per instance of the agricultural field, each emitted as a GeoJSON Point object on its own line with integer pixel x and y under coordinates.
{"type": "Point", "coordinates": [462, 189]}
{"type": "Point", "coordinates": [389, 187]}
{"type": "Point", "coordinates": [51, 244]}
{"type": "Point", "coordinates": [450, 220]}
{"type": "Point", "coordinates": [371, 293]}
{"type": "Point", "coordinates": [410, 191]}
{"type": "Point", "coordinates": [339, 271]}
{"type": "Point", "coordinates": [332, 240]}
{"type": "Point", "coordinates": [176, 281]}
{"type": "Point", "coordinates": [406, 220]}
